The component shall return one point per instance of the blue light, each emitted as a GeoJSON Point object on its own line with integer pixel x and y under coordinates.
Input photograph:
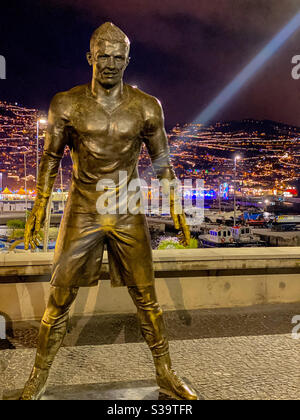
{"type": "Point", "coordinates": [236, 84]}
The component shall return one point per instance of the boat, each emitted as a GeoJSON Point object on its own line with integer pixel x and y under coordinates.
{"type": "Point", "coordinates": [286, 223]}
{"type": "Point", "coordinates": [226, 237]}
{"type": "Point", "coordinates": [244, 236]}
{"type": "Point", "coordinates": [217, 237]}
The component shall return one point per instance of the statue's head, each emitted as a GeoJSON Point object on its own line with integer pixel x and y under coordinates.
{"type": "Point", "coordinates": [109, 54]}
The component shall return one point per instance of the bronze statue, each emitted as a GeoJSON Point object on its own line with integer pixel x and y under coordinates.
{"type": "Point", "coordinates": [104, 123]}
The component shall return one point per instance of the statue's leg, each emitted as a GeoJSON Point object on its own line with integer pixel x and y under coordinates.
{"type": "Point", "coordinates": [52, 332]}
{"type": "Point", "coordinates": [154, 332]}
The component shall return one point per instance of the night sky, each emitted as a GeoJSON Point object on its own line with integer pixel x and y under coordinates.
{"type": "Point", "coordinates": [183, 51]}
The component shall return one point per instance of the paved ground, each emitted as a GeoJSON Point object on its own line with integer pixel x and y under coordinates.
{"type": "Point", "coordinates": [226, 354]}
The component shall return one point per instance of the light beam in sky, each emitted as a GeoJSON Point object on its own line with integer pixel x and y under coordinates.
{"type": "Point", "coordinates": [230, 90]}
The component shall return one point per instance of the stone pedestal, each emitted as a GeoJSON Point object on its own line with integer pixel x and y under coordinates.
{"type": "Point", "coordinates": [116, 391]}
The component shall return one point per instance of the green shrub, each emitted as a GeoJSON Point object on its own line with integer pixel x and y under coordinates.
{"type": "Point", "coordinates": [174, 244]}
{"type": "Point", "coordinates": [16, 234]}
{"type": "Point", "coordinates": [15, 224]}
{"type": "Point", "coordinates": [169, 244]}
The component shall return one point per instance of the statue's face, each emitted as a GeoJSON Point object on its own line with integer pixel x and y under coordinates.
{"type": "Point", "coordinates": [109, 61]}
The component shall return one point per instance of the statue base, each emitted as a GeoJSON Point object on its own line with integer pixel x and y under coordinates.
{"type": "Point", "coordinates": [117, 391]}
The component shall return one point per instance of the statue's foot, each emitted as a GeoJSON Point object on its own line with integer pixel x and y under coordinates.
{"type": "Point", "coordinates": [170, 384]}
{"type": "Point", "coordinates": [36, 384]}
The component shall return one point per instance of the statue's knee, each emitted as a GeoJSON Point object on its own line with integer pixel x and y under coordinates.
{"type": "Point", "coordinates": [62, 297]}
{"type": "Point", "coordinates": [145, 299]}
{"type": "Point", "coordinates": [60, 301]}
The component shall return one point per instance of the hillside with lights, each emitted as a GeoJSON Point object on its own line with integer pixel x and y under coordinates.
{"type": "Point", "coordinates": [269, 153]}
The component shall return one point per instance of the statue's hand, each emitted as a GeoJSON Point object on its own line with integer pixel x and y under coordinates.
{"type": "Point", "coordinates": [179, 219]}
{"type": "Point", "coordinates": [34, 223]}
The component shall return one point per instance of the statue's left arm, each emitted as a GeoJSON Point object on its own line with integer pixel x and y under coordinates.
{"type": "Point", "coordinates": [156, 141]}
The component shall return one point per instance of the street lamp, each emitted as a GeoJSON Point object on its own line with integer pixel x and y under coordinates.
{"type": "Point", "coordinates": [220, 189]}
{"type": "Point", "coordinates": [266, 204]}
{"type": "Point", "coordinates": [25, 181]}
{"type": "Point", "coordinates": [38, 122]}
{"type": "Point", "coordinates": [236, 158]}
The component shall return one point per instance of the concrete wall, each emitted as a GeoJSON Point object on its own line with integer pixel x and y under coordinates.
{"type": "Point", "coordinates": [185, 279]}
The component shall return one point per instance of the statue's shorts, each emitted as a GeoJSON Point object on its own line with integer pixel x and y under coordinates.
{"type": "Point", "coordinates": [80, 247]}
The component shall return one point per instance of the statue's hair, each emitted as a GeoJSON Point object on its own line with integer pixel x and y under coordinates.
{"type": "Point", "coordinates": [109, 32]}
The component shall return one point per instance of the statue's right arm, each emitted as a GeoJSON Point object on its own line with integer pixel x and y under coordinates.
{"type": "Point", "coordinates": [55, 142]}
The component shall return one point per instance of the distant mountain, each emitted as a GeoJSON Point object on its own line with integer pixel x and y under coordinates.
{"type": "Point", "coordinates": [251, 126]}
